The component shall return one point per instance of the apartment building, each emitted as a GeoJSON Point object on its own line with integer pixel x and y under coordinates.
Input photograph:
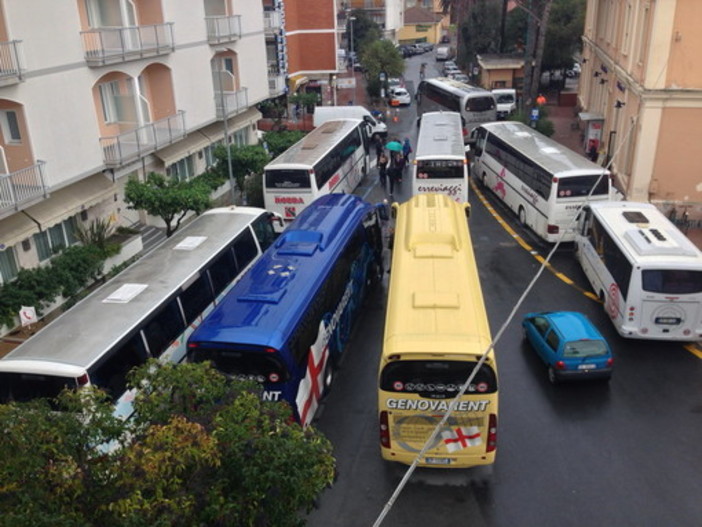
{"type": "Point", "coordinates": [388, 14]}
{"type": "Point", "coordinates": [93, 92]}
{"type": "Point", "coordinates": [641, 96]}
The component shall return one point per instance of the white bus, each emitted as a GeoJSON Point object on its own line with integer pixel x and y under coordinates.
{"type": "Point", "coordinates": [334, 157]}
{"type": "Point", "coordinates": [542, 181]}
{"type": "Point", "coordinates": [146, 311]}
{"type": "Point", "coordinates": [646, 272]}
{"type": "Point", "coordinates": [475, 105]}
{"type": "Point", "coordinates": [439, 164]}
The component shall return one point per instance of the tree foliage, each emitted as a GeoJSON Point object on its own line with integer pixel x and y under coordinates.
{"type": "Point", "coordinates": [380, 56]}
{"type": "Point", "coordinates": [245, 160]}
{"type": "Point", "coordinates": [480, 30]}
{"type": "Point", "coordinates": [278, 142]}
{"type": "Point", "coordinates": [564, 33]}
{"type": "Point", "coordinates": [168, 198]}
{"type": "Point", "coordinates": [200, 450]}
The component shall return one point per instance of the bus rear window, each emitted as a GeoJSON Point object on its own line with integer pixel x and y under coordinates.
{"type": "Point", "coordinates": [579, 186]}
{"type": "Point", "coordinates": [436, 379]}
{"type": "Point", "coordinates": [440, 169]}
{"type": "Point", "coordinates": [480, 104]}
{"type": "Point", "coordinates": [22, 387]}
{"type": "Point", "coordinates": [259, 366]}
{"type": "Point", "coordinates": [672, 282]}
{"type": "Point", "coordinates": [288, 179]}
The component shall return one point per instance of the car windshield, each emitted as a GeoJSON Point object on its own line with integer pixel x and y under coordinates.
{"type": "Point", "coordinates": [585, 348]}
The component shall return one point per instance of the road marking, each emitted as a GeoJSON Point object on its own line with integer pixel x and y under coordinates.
{"type": "Point", "coordinates": [692, 348]}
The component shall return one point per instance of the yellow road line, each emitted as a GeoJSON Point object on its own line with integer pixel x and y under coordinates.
{"type": "Point", "coordinates": [692, 348]}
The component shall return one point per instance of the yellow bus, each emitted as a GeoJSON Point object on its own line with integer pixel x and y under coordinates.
{"type": "Point", "coordinates": [437, 339]}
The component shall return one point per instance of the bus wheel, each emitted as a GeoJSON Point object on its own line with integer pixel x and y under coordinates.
{"type": "Point", "coordinates": [522, 216]}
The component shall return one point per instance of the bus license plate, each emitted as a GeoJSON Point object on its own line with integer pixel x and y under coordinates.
{"type": "Point", "coordinates": [668, 321]}
{"type": "Point", "coordinates": [437, 461]}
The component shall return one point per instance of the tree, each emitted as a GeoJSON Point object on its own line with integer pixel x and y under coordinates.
{"type": "Point", "coordinates": [169, 199]}
{"type": "Point", "coordinates": [480, 30]}
{"type": "Point", "coordinates": [245, 160]}
{"type": "Point", "coordinates": [200, 450]}
{"type": "Point", "coordinates": [279, 141]}
{"type": "Point", "coordinates": [564, 34]}
{"type": "Point", "coordinates": [378, 57]}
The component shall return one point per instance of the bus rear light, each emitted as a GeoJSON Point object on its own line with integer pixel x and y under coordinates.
{"type": "Point", "coordinates": [492, 434]}
{"type": "Point", "coordinates": [559, 365]}
{"type": "Point", "coordinates": [384, 430]}
{"type": "Point", "coordinates": [270, 350]}
{"type": "Point", "coordinates": [83, 379]}
{"type": "Point", "coordinates": [193, 345]}
{"type": "Point", "coordinates": [552, 229]}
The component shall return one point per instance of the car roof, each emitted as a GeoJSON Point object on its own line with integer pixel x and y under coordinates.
{"type": "Point", "coordinates": [571, 324]}
{"type": "Point", "coordinates": [400, 91]}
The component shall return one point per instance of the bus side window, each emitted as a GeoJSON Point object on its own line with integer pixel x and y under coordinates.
{"type": "Point", "coordinates": [111, 374]}
{"type": "Point", "coordinates": [223, 271]}
{"type": "Point", "coordinates": [245, 249]}
{"type": "Point", "coordinates": [164, 328]}
{"type": "Point", "coordinates": [195, 299]}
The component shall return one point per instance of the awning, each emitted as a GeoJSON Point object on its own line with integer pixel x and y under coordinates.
{"type": "Point", "coordinates": [196, 141]}
{"type": "Point", "coordinates": [586, 116]}
{"type": "Point", "coordinates": [16, 228]}
{"type": "Point", "coordinates": [72, 199]}
{"type": "Point", "coordinates": [296, 81]}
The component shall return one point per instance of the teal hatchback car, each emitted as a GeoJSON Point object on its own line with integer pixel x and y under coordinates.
{"type": "Point", "coordinates": [569, 344]}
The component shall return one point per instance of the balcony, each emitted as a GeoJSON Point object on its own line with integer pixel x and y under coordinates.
{"type": "Point", "coordinates": [276, 84]}
{"type": "Point", "coordinates": [271, 23]}
{"type": "Point", "coordinates": [229, 103]}
{"type": "Point", "coordinates": [22, 187]}
{"type": "Point", "coordinates": [10, 68]}
{"type": "Point", "coordinates": [134, 144]}
{"type": "Point", "coordinates": [223, 28]}
{"type": "Point", "coordinates": [111, 45]}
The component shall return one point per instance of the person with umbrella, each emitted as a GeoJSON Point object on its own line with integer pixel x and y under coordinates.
{"type": "Point", "coordinates": [396, 163]}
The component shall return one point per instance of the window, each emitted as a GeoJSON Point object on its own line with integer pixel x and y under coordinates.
{"type": "Point", "coordinates": [263, 228]}
{"type": "Point", "coordinates": [9, 124]}
{"type": "Point", "coordinates": [181, 170]}
{"type": "Point", "coordinates": [109, 94]}
{"type": "Point", "coordinates": [111, 374]}
{"type": "Point", "coordinates": [56, 238]}
{"type": "Point", "coordinates": [553, 340]}
{"type": "Point", "coordinates": [438, 379]}
{"type": "Point", "coordinates": [164, 328]}
{"type": "Point", "coordinates": [223, 271]}
{"type": "Point", "coordinates": [245, 249]}
{"type": "Point", "coordinates": [8, 265]}
{"type": "Point", "coordinates": [195, 299]}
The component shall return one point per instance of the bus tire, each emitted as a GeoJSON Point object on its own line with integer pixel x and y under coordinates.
{"type": "Point", "coordinates": [522, 216]}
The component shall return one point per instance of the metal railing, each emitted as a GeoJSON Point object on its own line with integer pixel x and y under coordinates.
{"type": "Point", "coordinates": [22, 186]}
{"type": "Point", "coordinates": [109, 45]}
{"type": "Point", "coordinates": [223, 28]}
{"type": "Point", "coordinates": [136, 143]}
{"type": "Point", "coordinates": [230, 103]}
{"type": "Point", "coordinates": [10, 66]}
{"type": "Point", "coordinates": [271, 22]}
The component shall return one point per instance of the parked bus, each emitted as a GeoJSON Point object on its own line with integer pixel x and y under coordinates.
{"type": "Point", "coordinates": [475, 105]}
{"type": "Point", "coordinates": [334, 157]}
{"type": "Point", "coordinates": [287, 322]}
{"type": "Point", "coordinates": [146, 311]}
{"type": "Point", "coordinates": [646, 272]}
{"type": "Point", "coordinates": [439, 163]}
{"type": "Point", "coordinates": [436, 332]}
{"type": "Point", "coordinates": [542, 181]}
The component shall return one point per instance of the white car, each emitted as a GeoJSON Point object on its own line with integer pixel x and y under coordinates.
{"type": "Point", "coordinates": [399, 97]}
{"type": "Point", "coordinates": [460, 77]}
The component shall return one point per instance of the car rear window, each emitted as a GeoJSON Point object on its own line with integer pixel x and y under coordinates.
{"type": "Point", "coordinates": [585, 348]}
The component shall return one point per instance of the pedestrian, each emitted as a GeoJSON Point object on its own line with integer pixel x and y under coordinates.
{"type": "Point", "coordinates": [379, 147]}
{"type": "Point", "coordinates": [406, 150]}
{"type": "Point", "coordinates": [382, 168]}
{"type": "Point", "coordinates": [395, 171]}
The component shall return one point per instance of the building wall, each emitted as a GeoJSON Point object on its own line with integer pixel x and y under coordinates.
{"type": "Point", "coordinates": [311, 25]}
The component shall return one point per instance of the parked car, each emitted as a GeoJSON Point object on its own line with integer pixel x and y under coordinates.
{"type": "Point", "coordinates": [569, 344]}
{"type": "Point", "coordinates": [460, 77]}
{"type": "Point", "coordinates": [450, 68]}
{"type": "Point", "coordinates": [395, 82]}
{"type": "Point", "coordinates": [399, 97]}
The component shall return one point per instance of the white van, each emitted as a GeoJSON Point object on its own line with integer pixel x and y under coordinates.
{"type": "Point", "coordinates": [506, 102]}
{"type": "Point", "coordinates": [322, 114]}
{"type": "Point", "coordinates": [443, 53]}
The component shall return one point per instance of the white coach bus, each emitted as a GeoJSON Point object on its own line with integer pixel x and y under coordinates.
{"type": "Point", "coordinates": [647, 273]}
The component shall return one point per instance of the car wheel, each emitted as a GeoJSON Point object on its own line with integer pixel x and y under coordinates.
{"type": "Point", "coordinates": [522, 216]}
{"type": "Point", "coordinates": [552, 375]}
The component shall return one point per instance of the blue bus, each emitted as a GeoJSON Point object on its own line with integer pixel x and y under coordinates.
{"type": "Point", "coordinates": [285, 324]}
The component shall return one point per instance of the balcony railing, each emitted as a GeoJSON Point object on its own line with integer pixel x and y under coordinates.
{"type": "Point", "coordinates": [276, 84]}
{"type": "Point", "coordinates": [271, 22]}
{"type": "Point", "coordinates": [136, 143]}
{"type": "Point", "coordinates": [223, 28]}
{"type": "Point", "coordinates": [23, 186]}
{"type": "Point", "coordinates": [230, 103]}
{"type": "Point", "coordinates": [110, 45]}
{"type": "Point", "coordinates": [10, 67]}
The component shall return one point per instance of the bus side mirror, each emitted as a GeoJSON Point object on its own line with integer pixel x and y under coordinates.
{"type": "Point", "coordinates": [276, 218]}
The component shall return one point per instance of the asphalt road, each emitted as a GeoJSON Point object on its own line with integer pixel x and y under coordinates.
{"type": "Point", "coordinates": [620, 454]}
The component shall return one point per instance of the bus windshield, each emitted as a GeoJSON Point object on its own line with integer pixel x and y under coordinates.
{"type": "Point", "coordinates": [436, 379]}
{"type": "Point", "coordinates": [578, 186]}
{"type": "Point", "coordinates": [672, 282]}
{"type": "Point", "coordinates": [289, 179]}
{"type": "Point", "coordinates": [440, 169]}
{"type": "Point", "coordinates": [480, 104]}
